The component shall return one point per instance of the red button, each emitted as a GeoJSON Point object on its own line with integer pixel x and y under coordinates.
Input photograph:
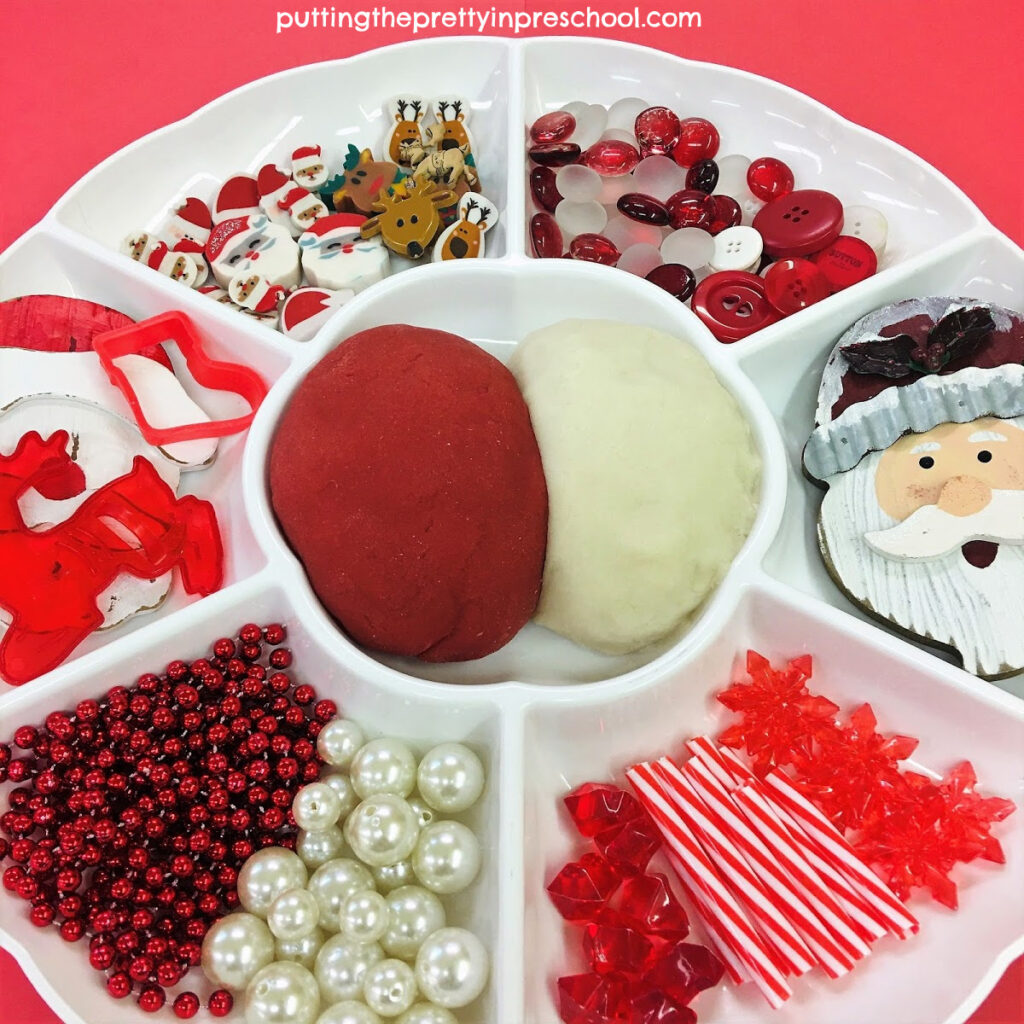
{"type": "Point", "coordinates": [733, 304]}
{"type": "Point", "coordinates": [792, 285]}
{"type": "Point", "coordinates": [846, 261]}
{"type": "Point", "coordinates": [799, 223]}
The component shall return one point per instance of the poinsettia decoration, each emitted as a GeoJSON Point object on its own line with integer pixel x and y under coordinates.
{"type": "Point", "coordinates": [955, 336]}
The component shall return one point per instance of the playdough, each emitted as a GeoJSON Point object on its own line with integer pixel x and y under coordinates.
{"type": "Point", "coordinates": [653, 479]}
{"type": "Point", "coordinates": [407, 478]}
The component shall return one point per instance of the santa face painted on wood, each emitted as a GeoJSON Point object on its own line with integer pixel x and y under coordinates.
{"type": "Point", "coordinates": [919, 439]}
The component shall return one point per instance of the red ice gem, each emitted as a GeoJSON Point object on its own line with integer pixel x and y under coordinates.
{"type": "Point", "coordinates": [698, 140]}
{"type": "Point", "coordinates": [657, 131]}
{"type": "Point", "coordinates": [611, 157]}
{"type": "Point", "coordinates": [630, 846]}
{"type": "Point", "coordinates": [593, 999]}
{"type": "Point", "coordinates": [648, 904]}
{"type": "Point", "coordinates": [611, 948]}
{"type": "Point", "coordinates": [683, 970]}
{"type": "Point", "coordinates": [597, 807]}
{"type": "Point", "coordinates": [556, 126]}
{"type": "Point", "coordinates": [546, 236]}
{"type": "Point", "coordinates": [725, 213]}
{"type": "Point", "coordinates": [642, 208]}
{"type": "Point", "coordinates": [690, 208]}
{"type": "Point", "coordinates": [594, 249]}
{"type": "Point", "coordinates": [544, 188]}
{"type": "Point", "coordinates": [654, 1007]}
{"type": "Point", "coordinates": [555, 154]}
{"type": "Point", "coordinates": [582, 887]}
{"type": "Point", "coordinates": [768, 178]}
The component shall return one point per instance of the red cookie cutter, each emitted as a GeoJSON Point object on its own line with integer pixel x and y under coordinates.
{"type": "Point", "coordinates": [210, 373]}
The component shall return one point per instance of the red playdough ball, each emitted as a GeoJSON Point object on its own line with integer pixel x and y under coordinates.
{"type": "Point", "coordinates": [406, 476]}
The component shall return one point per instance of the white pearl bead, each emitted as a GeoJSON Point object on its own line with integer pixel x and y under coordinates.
{"type": "Point", "coordinates": [342, 786]}
{"type": "Point", "coordinates": [413, 914]}
{"type": "Point", "coordinates": [265, 875]}
{"type": "Point", "coordinates": [452, 967]}
{"type": "Point", "coordinates": [316, 848]}
{"type": "Point", "coordinates": [235, 948]}
{"type": "Point", "coordinates": [364, 916]}
{"type": "Point", "coordinates": [450, 778]}
{"type": "Point", "coordinates": [389, 988]}
{"type": "Point", "coordinates": [349, 1011]}
{"type": "Point", "coordinates": [338, 741]}
{"type": "Point", "coordinates": [426, 1013]}
{"type": "Point", "coordinates": [293, 914]}
{"type": "Point", "coordinates": [383, 766]}
{"type": "Point", "coordinates": [316, 807]}
{"type": "Point", "coordinates": [282, 993]}
{"type": "Point", "coordinates": [332, 883]}
{"type": "Point", "coordinates": [392, 876]}
{"type": "Point", "coordinates": [382, 830]}
{"type": "Point", "coordinates": [424, 813]}
{"type": "Point", "coordinates": [341, 966]}
{"type": "Point", "coordinates": [302, 951]}
{"type": "Point", "coordinates": [447, 857]}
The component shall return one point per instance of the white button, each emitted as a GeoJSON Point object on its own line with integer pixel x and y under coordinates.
{"type": "Point", "coordinates": [692, 247]}
{"type": "Point", "coordinates": [737, 248]}
{"type": "Point", "coordinates": [867, 223]}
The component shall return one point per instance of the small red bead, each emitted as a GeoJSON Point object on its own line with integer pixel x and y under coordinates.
{"type": "Point", "coordinates": [119, 985]}
{"type": "Point", "coordinates": [325, 710]}
{"type": "Point", "coordinates": [72, 930]}
{"type": "Point", "coordinates": [274, 634]}
{"type": "Point", "coordinates": [281, 658]}
{"type": "Point", "coordinates": [186, 1005]}
{"type": "Point", "coordinates": [102, 955]}
{"type": "Point", "coordinates": [41, 915]}
{"type": "Point", "coordinates": [152, 998]}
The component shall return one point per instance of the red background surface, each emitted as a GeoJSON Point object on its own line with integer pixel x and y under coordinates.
{"type": "Point", "coordinates": [80, 80]}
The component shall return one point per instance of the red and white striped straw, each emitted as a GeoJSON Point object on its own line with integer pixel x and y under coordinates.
{"type": "Point", "coordinates": [834, 847]}
{"type": "Point", "coordinates": [746, 884]}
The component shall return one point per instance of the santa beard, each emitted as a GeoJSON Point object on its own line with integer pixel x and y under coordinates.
{"type": "Point", "coordinates": [979, 612]}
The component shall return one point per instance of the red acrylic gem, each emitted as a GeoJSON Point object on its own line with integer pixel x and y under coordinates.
{"type": "Point", "coordinates": [690, 208]}
{"type": "Point", "coordinates": [54, 576]}
{"type": "Point", "coordinates": [792, 285]}
{"type": "Point", "coordinates": [594, 249]}
{"type": "Point", "coordinates": [629, 847]}
{"type": "Point", "coordinates": [654, 1007]}
{"type": "Point", "coordinates": [582, 887]}
{"type": "Point", "coordinates": [544, 189]}
{"type": "Point", "coordinates": [768, 178]}
{"type": "Point", "coordinates": [645, 209]}
{"type": "Point", "coordinates": [546, 236]}
{"type": "Point", "coordinates": [698, 140]}
{"type": "Point", "coordinates": [656, 130]}
{"type": "Point", "coordinates": [611, 157]}
{"type": "Point", "coordinates": [683, 970]}
{"type": "Point", "coordinates": [555, 154]}
{"type": "Point", "coordinates": [967, 816]}
{"type": "Point", "coordinates": [592, 998]}
{"type": "Point", "coordinates": [611, 948]}
{"type": "Point", "coordinates": [647, 904]}
{"type": "Point", "coordinates": [725, 213]}
{"type": "Point", "coordinates": [555, 126]}
{"type": "Point", "coordinates": [598, 807]}
{"type": "Point", "coordinates": [674, 278]}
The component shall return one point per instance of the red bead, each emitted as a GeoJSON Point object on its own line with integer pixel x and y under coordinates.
{"type": "Point", "coordinates": [610, 948]}
{"type": "Point", "coordinates": [220, 1003]}
{"type": "Point", "coordinates": [250, 633]}
{"type": "Point", "coordinates": [581, 888]}
{"type": "Point", "coordinates": [140, 968]}
{"type": "Point", "coordinates": [325, 710]}
{"type": "Point", "coordinates": [594, 249]}
{"type": "Point", "coordinates": [698, 140]}
{"type": "Point", "coordinates": [690, 209]}
{"type": "Point", "coordinates": [611, 157]}
{"type": "Point", "coordinates": [725, 213]}
{"type": "Point", "coordinates": [598, 807]}
{"type": "Point", "coordinates": [545, 236]}
{"type": "Point", "coordinates": [555, 126]}
{"type": "Point", "coordinates": [41, 915]}
{"type": "Point", "coordinates": [847, 261]}
{"type": "Point", "coordinates": [281, 658]}
{"type": "Point", "coordinates": [152, 998]}
{"type": "Point", "coordinates": [675, 279]}
{"type": "Point", "coordinates": [683, 970]}
{"type": "Point", "coordinates": [186, 1005]}
{"type": "Point", "coordinates": [72, 930]}
{"type": "Point", "coordinates": [25, 737]}
{"type": "Point", "coordinates": [544, 188]}
{"type": "Point", "coordinates": [792, 285]}
{"type": "Point", "coordinates": [119, 985]}
{"type": "Point", "coordinates": [768, 178]}
{"type": "Point", "coordinates": [224, 648]}
{"type": "Point", "coordinates": [703, 176]}
{"type": "Point", "coordinates": [274, 634]}
{"type": "Point", "coordinates": [555, 154]}
{"type": "Point", "coordinates": [648, 904]}
{"type": "Point", "coordinates": [656, 130]}
{"type": "Point", "coordinates": [644, 209]}
{"type": "Point", "coordinates": [101, 956]}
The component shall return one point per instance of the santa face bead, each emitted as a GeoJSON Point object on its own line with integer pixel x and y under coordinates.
{"type": "Point", "coordinates": [252, 245]}
{"type": "Point", "coordinates": [335, 256]}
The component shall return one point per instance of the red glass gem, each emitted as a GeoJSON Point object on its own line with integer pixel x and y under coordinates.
{"type": "Point", "coordinates": [609, 948]}
{"type": "Point", "coordinates": [629, 847]}
{"type": "Point", "coordinates": [555, 126]}
{"type": "Point", "coordinates": [544, 189]}
{"type": "Point", "coordinates": [690, 209]}
{"type": "Point", "coordinates": [582, 887]}
{"type": "Point", "coordinates": [654, 1007]}
{"type": "Point", "coordinates": [683, 970]}
{"type": "Point", "coordinates": [656, 130]}
{"type": "Point", "coordinates": [768, 178]}
{"type": "Point", "coordinates": [593, 999]}
{"type": "Point", "coordinates": [725, 213]}
{"type": "Point", "coordinates": [703, 176]}
{"type": "Point", "coordinates": [555, 154]}
{"type": "Point", "coordinates": [546, 236]}
{"type": "Point", "coordinates": [647, 904]}
{"type": "Point", "coordinates": [594, 249]}
{"type": "Point", "coordinates": [645, 209]}
{"type": "Point", "coordinates": [800, 223]}
{"type": "Point", "coordinates": [611, 157]}
{"type": "Point", "coordinates": [698, 140]}
{"type": "Point", "coordinates": [733, 305]}
{"type": "Point", "coordinates": [597, 807]}
{"type": "Point", "coordinates": [792, 285]}
{"type": "Point", "coordinates": [674, 278]}
{"type": "Point", "coordinates": [847, 261]}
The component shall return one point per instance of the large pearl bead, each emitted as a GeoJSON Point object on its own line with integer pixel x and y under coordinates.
{"type": "Point", "coordinates": [447, 857]}
{"type": "Point", "coordinates": [349, 1011]}
{"type": "Point", "coordinates": [382, 830]}
{"type": "Point", "coordinates": [389, 988]}
{"type": "Point", "coordinates": [393, 876]}
{"type": "Point", "coordinates": [266, 875]}
{"type": "Point", "coordinates": [426, 1013]}
{"type": "Point", "coordinates": [342, 786]}
{"type": "Point", "coordinates": [302, 951]}
{"type": "Point", "coordinates": [424, 812]}
{"type": "Point", "coordinates": [452, 967]}
{"type": "Point", "coordinates": [316, 807]}
{"type": "Point", "coordinates": [383, 766]}
{"type": "Point", "coordinates": [450, 778]}
{"type": "Point", "coordinates": [282, 993]}
{"type": "Point", "coordinates": [332, 883]}
{"type": "Point", "coordinates": [341, 966]}
{"type": "Point", "coordinates": [364, 916]}
{"type": "Point", "coordinates": [316, 848]}
{"type": "Point", "coordinates": [235, 948]}
{"type": "Point", "coordinates": [413, 914]}
{"type": "Point", "coordinates": [293, 914]}
{"type": "Point", "coordinates": [338, 741]}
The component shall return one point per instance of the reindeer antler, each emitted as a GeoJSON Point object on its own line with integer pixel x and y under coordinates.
{"type": "Point", "coordinates": [417, 109]}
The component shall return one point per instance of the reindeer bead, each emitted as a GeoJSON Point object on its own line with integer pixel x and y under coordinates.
{"type": "Point", "coordinates": [407, 113]}
{"type": "Point", "coordinates": [407, 217]}
{"type": "Point", "coordinates": [465, 238]}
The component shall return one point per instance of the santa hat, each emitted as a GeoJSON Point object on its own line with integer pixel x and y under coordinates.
{"type": "Point", "coordinates": [910, 366]}
{"type": "Point", "coordinates": [273, 184]}
{"type": "Point", "coordinates": [306, 310]}
{"type": "Point", "coordinates": [238, 197]}
{"type": "Point", "coordinates": [297, 200]}
{"type": "Point", "coordinates": [306, 156]}
{"type": "Point", "coordinates": [193, 219]}
{"type": "Point", "coordinates": [224, 232]}
{"type": "Point", "coordinates": [333, 227]}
